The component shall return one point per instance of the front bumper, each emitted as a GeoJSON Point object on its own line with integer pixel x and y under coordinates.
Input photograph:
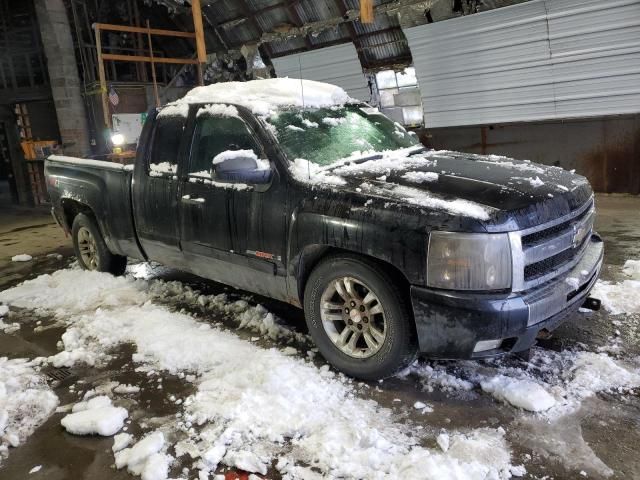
{"type": "Point", "coordinates": [450, 324]}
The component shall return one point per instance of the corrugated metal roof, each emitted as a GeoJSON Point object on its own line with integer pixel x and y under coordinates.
{"type": "Point", "coordinates": [379, 41]}
{"type": "Point", "coordinates": [283, 46]}
{"type": "Point", "coordinates": [538, 60]}
{"type": "Point", "coordinates": [391, 44]}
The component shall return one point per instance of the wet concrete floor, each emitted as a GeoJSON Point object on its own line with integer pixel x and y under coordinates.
{"type": "Point", "coordinates": [607, 425]}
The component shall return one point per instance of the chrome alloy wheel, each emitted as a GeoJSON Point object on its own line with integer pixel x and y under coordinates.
{"type": "Point", "coordinates": [88, 248]}
{"type": "Point", "coordinates": [353, 317]}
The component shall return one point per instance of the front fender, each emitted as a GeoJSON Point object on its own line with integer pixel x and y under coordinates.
{"type": "Point", "coordinates": [386, 236]}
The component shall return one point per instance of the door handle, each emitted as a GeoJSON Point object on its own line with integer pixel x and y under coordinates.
{"type": "Point", "coordinates": [192, 201]}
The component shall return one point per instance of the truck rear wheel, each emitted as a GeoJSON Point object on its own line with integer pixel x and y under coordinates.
{"type": "Point", "coordinates": [359, 318]}
{"type": "Point", "coordinates": [91, 251]}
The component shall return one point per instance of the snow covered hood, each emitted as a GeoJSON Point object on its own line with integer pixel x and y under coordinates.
{"type": "Point", "coordinates": [264, 96]}
{"type": "Point", "coordinates": [484, 187]}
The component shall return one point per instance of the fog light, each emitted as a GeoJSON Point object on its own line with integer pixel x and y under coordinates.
{"type": "Point", "coordinates": [487, 345]}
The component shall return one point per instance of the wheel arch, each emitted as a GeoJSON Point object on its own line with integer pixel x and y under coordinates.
{"type": "Point", "coordinates": [312, 255]}
{"type": "Point", "coordinates": [71, 208]}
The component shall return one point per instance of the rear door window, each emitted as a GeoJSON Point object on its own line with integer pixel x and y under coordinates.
{"type": "Point", "coordinates": [163, 161]}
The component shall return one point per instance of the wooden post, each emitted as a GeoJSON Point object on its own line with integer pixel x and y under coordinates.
{"type": "Point", "coordinates": [139, 41]}
{"type": "Point", "coordinates": [201, 47]}
{"type": "Point", "coordinates": [103, 80]}
{"type": "Point", "coordinates": [366, 11]}
{"type": "Point", "coordinates": [153, 66]}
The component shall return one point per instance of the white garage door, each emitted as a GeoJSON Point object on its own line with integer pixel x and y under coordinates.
{"type": "Point", "coordinates": [544, 59]}
{"type": "Point", "coordinates": [338, 65]}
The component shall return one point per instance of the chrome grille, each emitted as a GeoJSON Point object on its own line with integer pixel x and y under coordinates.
{"type": "Point", "coordinates": [542, 253]}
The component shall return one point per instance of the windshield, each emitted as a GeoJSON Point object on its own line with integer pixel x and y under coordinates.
{"type": "Point", "coordinates": [325, 135]}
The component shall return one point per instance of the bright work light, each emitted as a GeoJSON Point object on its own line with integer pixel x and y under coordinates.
{"type": "Point", "coordinates": [117, 139]}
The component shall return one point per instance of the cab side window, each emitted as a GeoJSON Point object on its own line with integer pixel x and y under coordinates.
{"type": "Point", "coordinates": [219, 134]}
{"type": "Point", "coordinates": [163, 160]}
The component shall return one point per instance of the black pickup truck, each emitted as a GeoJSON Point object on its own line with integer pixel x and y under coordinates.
{"type": "Point", "coordinates": [294, 191]}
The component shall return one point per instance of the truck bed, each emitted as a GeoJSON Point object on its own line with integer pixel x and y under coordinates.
{"type": "Point", "coordinates": [105, 187]}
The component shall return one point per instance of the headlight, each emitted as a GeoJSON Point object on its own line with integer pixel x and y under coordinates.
{"type": "Point", "coordinates": [469, 261]}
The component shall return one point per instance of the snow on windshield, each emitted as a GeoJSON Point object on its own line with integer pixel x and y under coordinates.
{"type": "Point", "coordinates": [328, 135]}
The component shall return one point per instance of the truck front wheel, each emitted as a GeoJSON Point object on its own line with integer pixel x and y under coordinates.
{"type": "Point", "coordinates": [359, 318]}
{"type": "Point", "coordinates": [91, 251]}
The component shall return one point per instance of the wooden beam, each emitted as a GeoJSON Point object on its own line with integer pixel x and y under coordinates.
{"type": "Point", "coordinates": [201, 47]}
{"type": "Point", "coordinates": [103, 80]}
{"type": "Point", "coordinates": [140, 58]}
{"type": "Point", "coordinates": [153, 31]}
{"type": "Point", "coordinates": [366, 11]}
{"type": "Point", "coordinates": [153, 66]}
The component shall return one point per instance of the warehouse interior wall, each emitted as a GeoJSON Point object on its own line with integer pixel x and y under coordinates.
{"type": "Point", "coordinates": [606, 150]}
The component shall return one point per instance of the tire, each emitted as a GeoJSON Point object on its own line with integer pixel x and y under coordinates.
{"type": "Point", "coordinates": [396, 348]}
{"type": "Point", "coordinates": [91, 250]}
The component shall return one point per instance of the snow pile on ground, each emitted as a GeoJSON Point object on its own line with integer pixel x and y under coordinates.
{"type": "Point", "coordinates": [121, 441]}
{"type": "Point", "coordinates": [631, 268]}
{"type": "Point", "coordinates": [519, 393]}
{"type": "Point", "coordinates": [246, 316]}
{"type": "Point", "coordinates": [7, 327]}
{"type": "Point", "coordinates": [262, 97]}
{"type": "Point", "coordinates": [68, 292]}
{"type": "Point", "coordinates": [551, 384]}
{"type": "Point", "coordinates": [254, 407]}
{"type": "Point", "coordinates": [23, 257]}
{"type": "Point", "coordinates": [596, 372]}
{"type": "Point", "coordinates": [26, 402]}
{"type": "Point", "coordinates": [621, 297]}
{"type": "Point", "coordinates": [145, 458]}
{"type": "Point", "coordinates": [435, 376]}
{"type": "Point", "coordinates": [618, 297]}
{"type": "Point", "coordinates": [96, 416]}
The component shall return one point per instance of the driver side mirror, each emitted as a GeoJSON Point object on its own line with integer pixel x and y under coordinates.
{"type": "Point", "coordinates": [242, 166]}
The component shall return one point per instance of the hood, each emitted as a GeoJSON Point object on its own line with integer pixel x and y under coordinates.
{"type": "Point", "coordinates": [503, 193]}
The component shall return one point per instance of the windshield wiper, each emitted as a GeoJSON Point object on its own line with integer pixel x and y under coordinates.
{"type": "Point", "coordinates": [360, 160]}
{"type": "Point", "coordinates": [417, 150]}
{"type": "Point", "coordinates": [352, 161]}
